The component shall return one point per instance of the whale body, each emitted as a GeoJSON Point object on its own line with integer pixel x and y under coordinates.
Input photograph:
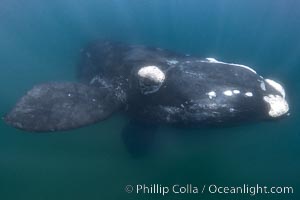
{"type": "Point", "coordinates": [152, 85]}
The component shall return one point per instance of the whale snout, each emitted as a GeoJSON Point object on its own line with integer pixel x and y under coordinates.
{"type": "Point", "coordinates": [275, 97]}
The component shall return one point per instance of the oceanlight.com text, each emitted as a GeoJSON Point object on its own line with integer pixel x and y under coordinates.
{"type": "Point", "coordinates": [246, 189]}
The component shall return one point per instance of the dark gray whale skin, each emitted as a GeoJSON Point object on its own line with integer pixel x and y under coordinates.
{"type": "Point", "coordinates": [195, 92]}
{"type": "Point", "coordinates": [183, 96]}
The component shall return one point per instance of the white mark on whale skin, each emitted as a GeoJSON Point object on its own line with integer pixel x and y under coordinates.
{"type": "Point", "coordinates": [231, 109]}
{"type": "Point", "coordinates": [236, 91]}
{"type": "Point", "coordinates": [153, 74]}
{"type": "Point", "coordinates": [228, 93]}
{"type": "Point", "coordinates": [263, 86]}
{"type": "Point", "coordinates": [120, 94]}
{"type": "Point", "coordinates": [172, 62]}
{"type": "Point", "coordinates": [211, 94]}
{"type": "Point", "coordinates": [213, 60]}
{"type": "Point", "coordinates": [193, 74]}
{"type": "Point", "coordinates": [278, 105]}
{"type": "Point", "coordinates": [101, 81]}
{"type": "Point", "coordinates": [69, 95]}
{"type": "Point", "coordinates": [276, 86]}
{"type": "Point", "coordinates": [249, 94]}
{"type": "Point", "coordinates": [169, 111]}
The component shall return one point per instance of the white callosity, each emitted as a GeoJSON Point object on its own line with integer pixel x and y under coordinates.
{"type": "Point", "coordinates": [228, 93]}
{"type": "Point", "coordinates": [278, 105]}
{"type": "Point", "coordinates": [150, 79]}
{"type": "Point", "coordinates": [236, 91]}
{"type": "Point", "coordinates": [276, 86]}
{"type": "Point", "coordinates": [263, 86]}
{"type": "Point", "coordinates": [211, 94]}
{"type": "Point", "coordinates": [213, 60]}
{"type": "Point", "coordinates": [231, 92]}
{"type": "Point", "coordinates": [249, 94]}
{"type": "Point", "coordinates": [153, 73]}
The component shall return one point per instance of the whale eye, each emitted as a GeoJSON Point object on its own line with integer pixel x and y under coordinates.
{"type": "Point", "coordinates": [150, 78]}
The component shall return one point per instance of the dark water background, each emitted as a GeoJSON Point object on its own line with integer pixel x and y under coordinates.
{"type": "Point", "coordinates": [40, 41]}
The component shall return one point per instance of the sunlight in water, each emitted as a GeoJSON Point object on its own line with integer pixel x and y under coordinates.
{"type": "Point", "coordinates": [42, 41]}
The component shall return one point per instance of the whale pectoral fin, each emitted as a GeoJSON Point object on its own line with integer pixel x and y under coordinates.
{"type": "Point", "coordinates": [139, 138]}
{"type": "Point", "coordinates": [61, 106]}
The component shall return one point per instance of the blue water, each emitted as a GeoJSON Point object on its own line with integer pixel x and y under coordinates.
{"type": "Point", "coordinates": [41, 40]}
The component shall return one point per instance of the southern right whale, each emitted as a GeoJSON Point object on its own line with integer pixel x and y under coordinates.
{"type": "Point", "coordinates": [152, 85]}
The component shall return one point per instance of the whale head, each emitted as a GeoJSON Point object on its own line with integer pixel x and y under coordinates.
{"type": "Point", "coordinates": [275, 98]}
